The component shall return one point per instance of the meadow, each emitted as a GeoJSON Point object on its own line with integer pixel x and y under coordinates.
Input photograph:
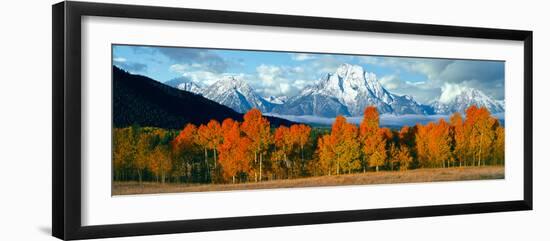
{"type": "Point", "coordinates": [382, 177]}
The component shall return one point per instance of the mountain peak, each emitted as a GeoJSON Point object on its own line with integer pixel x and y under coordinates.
{"type": "Point", "coordinates": [147, 102]}
{"type": "Point", "coordinates": [455, 99]}
{"type": "Point", "coordinates": [348, 91]}
{"type": "Point", "coordinates": [279, 100]}
{"type": "Point", "coordinates": [234, 92]}
{"type": "Point", "coordinates": [234, 81]}
{"type": "Point", "coordinates": [450, 92]}
{"type": "Point", "coordinates": [473, 93]}
{"type": "Point", "coordinates": [349, 69]}
{"type": "Point", "coordinates": [176, 81]}
{"type": "Point", "coordinates": [184, 83]}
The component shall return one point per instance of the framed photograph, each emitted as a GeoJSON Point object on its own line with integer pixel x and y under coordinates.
{"type": "Point", "coordinates": [171, 120]}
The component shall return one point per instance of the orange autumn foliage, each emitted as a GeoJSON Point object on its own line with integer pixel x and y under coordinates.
{"type": "Point", "coordinates": [257, 129]}
{"type": "Point", "coordinates": [283, 148]}
{"type": "Point", "coordinates": [326, 154]}
{"type": "Point", "coordinates": [186, 138]}
{"type": "Point", "coordinates": [343, 145]}
{"type": "Point", "coordinates": [460, 139]}
{"type": "Point", "coordinates": [399, 156]}
{"type": "Point", "coordinates": [373, 138]}
{"type": "Point", "coordinates": [433, 144]}
{"type": "Point", "coordinates": [480, 126]}
{"type": "Point", "coordinates": [160, 163]}
{"type": "Point", "coordinates": [247, 151]}
{"type": "Point", "coordinates": [300, 136]}
{"type": "Point", "coordinates": [234, 151]}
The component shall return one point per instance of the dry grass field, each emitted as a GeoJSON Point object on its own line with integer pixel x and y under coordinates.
{"type": "Point", "coordinates": [382, 177]}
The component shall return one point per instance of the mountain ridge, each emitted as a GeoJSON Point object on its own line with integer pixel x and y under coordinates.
{"type": "Point", "coordinates": [235, 93]}
{"type": "Point", "coordinates": [143, 101]}
{"type": "Point", "coordinates": [183, 83]}
{"type": "Point", "coordinates": [348, 91]}
{"type": "Point", "coordinates": [466, 98]}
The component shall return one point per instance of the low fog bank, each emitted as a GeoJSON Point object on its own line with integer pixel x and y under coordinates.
{"type": "Point", "coordinates": [386, 120]}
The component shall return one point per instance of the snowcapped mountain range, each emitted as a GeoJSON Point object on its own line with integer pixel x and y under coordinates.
{"type": "Point", "coordinates": [183, 83]}
{"type": "Point", "coordinates": [278, 100]}
{"type": "Point", "coordinates": [465, 99]}
{"type": "Point", "coordinates": [236, 94]}
{"type": "Point", "coordinates": [347, 91]}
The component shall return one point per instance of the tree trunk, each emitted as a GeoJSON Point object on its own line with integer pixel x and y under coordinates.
{"type": "Point", "coordinates": [261, 167]}
{"type": "Point", "coordinates": [338, 166]}
{"type": "Point", "coordinates": [302, 148]}
{"type": "Point", "coordinates": [215, 158]}
{"type": "Point", "coordinates": [139, 176]}
{"type": "Point", "coordinates": [255, 161]}
{"type": "Point", "coordinates": [376, 168]}
{"type": "Point", "coordinates": [286, 162]}
{"type": "Point", "coordinates": [205, 155]}
{"type": "Point", "coordinates": [480, 150]}
{"type": "Point", "coordinates": [206, 162]}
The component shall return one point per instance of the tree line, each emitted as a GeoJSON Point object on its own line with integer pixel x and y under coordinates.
{"type": "Point", "coordinates": [252, 151]}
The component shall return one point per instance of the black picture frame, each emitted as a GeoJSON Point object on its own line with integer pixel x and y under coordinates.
{"type": "Point", "coordinates": [66, 127]}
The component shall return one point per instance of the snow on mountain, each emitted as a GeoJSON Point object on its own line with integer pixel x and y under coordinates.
{"type": "Point", "coordinates": [183, 83]}
{"type": "Point", "coordinates": [502, 103]}
{"type": "Point", "coordinates": [191, 87]}
{"type": "Point", "coordinates": [466, 98]}
{"type": "Point", "coordinates": [348, 91]}
{"type": "Point", "coordinates": [236, 94]}
{"type": "Point", "coordinates": [278, 100]}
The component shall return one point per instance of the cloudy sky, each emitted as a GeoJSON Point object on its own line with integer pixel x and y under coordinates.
{"type": "Point", "coordinates": [286, 73]}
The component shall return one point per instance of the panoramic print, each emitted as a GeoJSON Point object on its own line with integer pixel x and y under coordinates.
{"type": "Point", "coordinates": [198, 119]}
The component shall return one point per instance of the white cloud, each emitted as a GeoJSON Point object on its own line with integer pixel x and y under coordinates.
{"type": "Point", "coordinates": [119, 59]}
{"type": "Point", "coordinates": [450, 91]}
{"type": "Point", "coordinates": [327, 64]}
{"type": "Point", "coordinates": [179, 68]}
{"type": "Point", "coordinates": [205, 58]}
{"type": "Point", "coordinates": [284, 87]}
{"type": "Point", "coordinates": [368, 59]}
{"type": "Point", "coordinates": [280, 80]}
{"type": "Point", "coordinates": [197, 74]}
{"type": "Point", "coordinates": [303, 57]}
{"type": "Point", "coordinates": [390, 82]}
{"type": "Point", "coordinates": [385, 119]}
{"type": "Point", "coordinates": [444, 78]}
{"type": "Point", "coordinates": [203, 77]}
{"type": "Point", "coordinates": [422, 91]}
{"type": "Point", "coordinates": [298, 69]}
{"type": "Point", "coordinates": [300, 83]}
{"type": "Point", "coordinates": [268, 74]}
{"type": "Point", "coordinates": [419, 83]}
{"type": "Point", "coordinates": [486, 76]}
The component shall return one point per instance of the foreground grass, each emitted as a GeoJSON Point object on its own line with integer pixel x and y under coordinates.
{"type": "Point", "coordinates": [382, 177]}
